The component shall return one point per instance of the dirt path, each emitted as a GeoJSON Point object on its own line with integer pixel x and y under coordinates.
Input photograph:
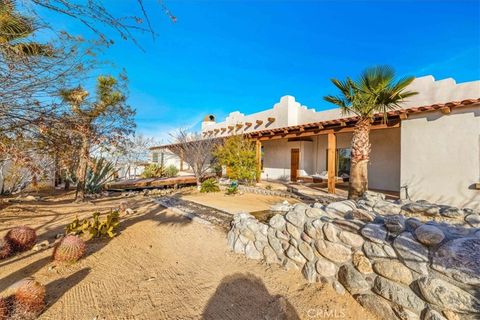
{"type": "Point", "coordinates": [164, 266]}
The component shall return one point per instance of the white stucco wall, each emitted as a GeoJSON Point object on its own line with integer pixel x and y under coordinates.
{"type": "Point", "coordinates": [384, 167]}
{"type": "Point", "coordinates": [289, 112]}
{"type": "Point", "coordinates": [440, 156]}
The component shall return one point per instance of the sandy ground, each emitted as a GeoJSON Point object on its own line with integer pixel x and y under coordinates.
{"type": "Point", "coordinates": [161, 266]}
{"type": "Point", "coordinates": [247, 202]}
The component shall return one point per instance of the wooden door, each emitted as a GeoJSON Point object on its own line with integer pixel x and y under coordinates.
{"type": "Point", "coordinates": [294, 162]}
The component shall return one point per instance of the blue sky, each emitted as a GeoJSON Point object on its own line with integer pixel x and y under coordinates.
{"type": "Point", "coordinates": [223, 56]}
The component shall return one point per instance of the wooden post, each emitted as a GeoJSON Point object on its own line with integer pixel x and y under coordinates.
{"type": "Point", "coordinates": [331, 152]}
{"type": "Point", "coordinates": [258, 153]}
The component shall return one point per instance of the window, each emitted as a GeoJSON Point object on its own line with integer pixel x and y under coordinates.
{"type": "Point", "coordinates": [155, 157]}
{"type": "Point", "coordinates": [342, 160]}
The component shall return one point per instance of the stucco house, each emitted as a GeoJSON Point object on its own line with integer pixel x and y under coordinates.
{"type": "Point", "coordinates": [428, 149]}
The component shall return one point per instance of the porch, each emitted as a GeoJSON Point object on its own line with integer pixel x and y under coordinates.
{"type": "Point", "coordinates": [319, 162]}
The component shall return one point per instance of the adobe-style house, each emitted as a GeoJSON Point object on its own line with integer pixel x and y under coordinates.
{"type": "Point", "coordinates": [428, 149]}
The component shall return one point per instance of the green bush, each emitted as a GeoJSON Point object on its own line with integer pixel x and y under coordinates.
{"type": "Point", "coordinates": [171, 171]}
{"type": "Point", "coordinates": [209, 185]}
{"type": "Point", "coordinates": [233, 188]}
{"type": "Point", "coordinates": [153, 170]}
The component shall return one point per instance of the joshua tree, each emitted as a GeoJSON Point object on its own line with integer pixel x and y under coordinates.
{"type": "Point", "coordinates": [376, 92]}
{"type": "Point", "coordinates": [106, 120]}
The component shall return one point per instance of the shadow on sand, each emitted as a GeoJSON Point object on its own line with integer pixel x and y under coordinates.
{"type": "Point", "coordinates": [245, 297]}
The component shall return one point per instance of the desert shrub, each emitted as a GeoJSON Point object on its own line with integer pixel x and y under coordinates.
{"type": "Point", "coordinates": [69, 249]}
{"type": "Point", "coordinates": [94, 227]}
{"type": "Point", "coordinates": [153, 170]}
{"type": "Point", "coordinates": [268, 187]}
{"type": "Point", "coordinates": [233, 188]}
{"type": "Point", "coordinates": [239, 155]}
{"type": "Point", "coordinates": [98, 173]}
{"type": "Point", "coordinates": [210, 185]}
{"type": "Point", "coordinates": [171, 171]}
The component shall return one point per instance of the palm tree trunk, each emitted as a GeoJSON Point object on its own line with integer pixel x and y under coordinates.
{"type": "Point", "coordinates": [359, 159]}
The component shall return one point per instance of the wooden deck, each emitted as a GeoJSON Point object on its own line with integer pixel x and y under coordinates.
{"type": "Point", "coordinates": [134, 184]}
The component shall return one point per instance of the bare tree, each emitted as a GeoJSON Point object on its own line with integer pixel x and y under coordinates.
{"type": "Point", "coordinates": [195, 151]}
{"type": "Point", "coordinates": [133, 151]}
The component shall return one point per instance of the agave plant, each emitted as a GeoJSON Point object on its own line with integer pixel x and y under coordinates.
{"type": "Point", "coordinates": [99, 172]}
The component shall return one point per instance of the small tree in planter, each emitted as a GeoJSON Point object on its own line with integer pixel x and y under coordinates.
{"type": "Point", "coordinates": [239, 155]}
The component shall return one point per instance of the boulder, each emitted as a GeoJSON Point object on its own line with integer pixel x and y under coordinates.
{"type": "Point", "coordinates": [424, 208]}
{"type": "Point", "coordinates": [389, 250]}
{"type": "Point", "coordinates": [445, 295]}
{"type": "Point", "coordinates": [352, 280]}
{"type": "Point", "coordinates": [293, 230]}
{"type": "Point", "coordinates": [429, 235]}
{"type": "Point", "coordinates": [360, 214]}
{"type": "Point", "coordinates": [326, 268]}
{"type": "Point", "coordinates": [361, 262]}
{"type": "Point", "coordinates": [330, 232]}
{"type": "Point", "coordinates": [376, 305]}
{"type": "Point", "coordinates": [337, 286]}
{"type": "Point", "coordinates": [351, 239]}
{"type": "Point", "coordinates": [340, 208]}
{"type": "Point", "coordinates": [231, 237]}
{"type": "Point", "coordinates": [431, 314]}
{"type": "Point", "coordinates": [473, 219]}
{"type": "Point", "coordinates": [296, 217]}
{"type": "Point", "coordinates": [333, 251]}
{"type": "Point", "coordinates": [393, 270]}
{"type": "Point", "coordinates": [260, 245]}
{"type": "Point", "coordinates": [315, 213]}
{"type": "Point", "coordinates": [397, 293]}
{"type": "Point", "coordinates": [451, 212]}
{"type": "Point", "coordinates": [309, 272]}
{"type": "Point", "coordinates": [269, 255]}
{"type": "Point", "coordinates": [281, 207]}
{"type": "Point", "coordinates": [374, 232]}
{"type": "Point", "coordinates": [306, 251]}
{"type": "Point", "coordinates": [349, 225]}
{"type": "Point", "coordinates": [312, 232]}
{"type": "Point", "coordinates": [275, 244]}
{"type": "Point", "coordinates": [251, 252]}
{"type": "Point", "coordinates": [277, 221]}
{"type": "Point", "coordinates": [413, 254]}
{"type": "Point", "coordinates": [295, 255]}
{"type": "Point", "coordinates": [413, 223]}
{"type": "Point", "coordinates": [459, 259]}
{"type": "Point", "coordinates": [394, 223]}
{"type": "Point", "coordinates": [384, 207]}
{"type": "Point", "coordinates": [374, 250]}
{"type": "Point", "coordinates": [239, 246]}
{"type": "Point", "coordinates": [404, 314]}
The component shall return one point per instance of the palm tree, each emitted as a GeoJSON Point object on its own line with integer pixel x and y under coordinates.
{"type": "Point", "coordinates": [377, 91]}
{"type": "Point", "coordinates": [14, 29]}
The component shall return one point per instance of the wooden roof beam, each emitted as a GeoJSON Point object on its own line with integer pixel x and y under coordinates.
{"type": "Point", "coordinates": [248, 124]}
{"type": "Point", "coordinates": [271, 119]}
{"type": "Point", "coordinates": [259, 122]}
{"type": "Point", "coordinates": [230, 128]}
{"type": "Point", "coordinates": [239, 125]}
{"type": "Point", "coordinates": [403, 116]}
{"type": "Point", "coordinates": [446, 110]}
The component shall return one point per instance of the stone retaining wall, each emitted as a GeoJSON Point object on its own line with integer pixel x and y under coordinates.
{"type": "Point", "coordinates": [397, 267]}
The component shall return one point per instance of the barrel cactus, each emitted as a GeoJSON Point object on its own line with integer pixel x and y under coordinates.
{"type": "Point", "coordinates": [69, 249]}
{"type": "Point", "coordinates": [29, 297]}
{"type": "Point", "coordinates": [21, 238]}
{"type": "Point", "coordinates": [4, 304]}
{"type": "Point", "coordinates": [6, 250]}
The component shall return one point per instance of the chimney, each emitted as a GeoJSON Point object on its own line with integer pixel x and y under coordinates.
{"type": "Point", "coordinates": [207, 121]}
